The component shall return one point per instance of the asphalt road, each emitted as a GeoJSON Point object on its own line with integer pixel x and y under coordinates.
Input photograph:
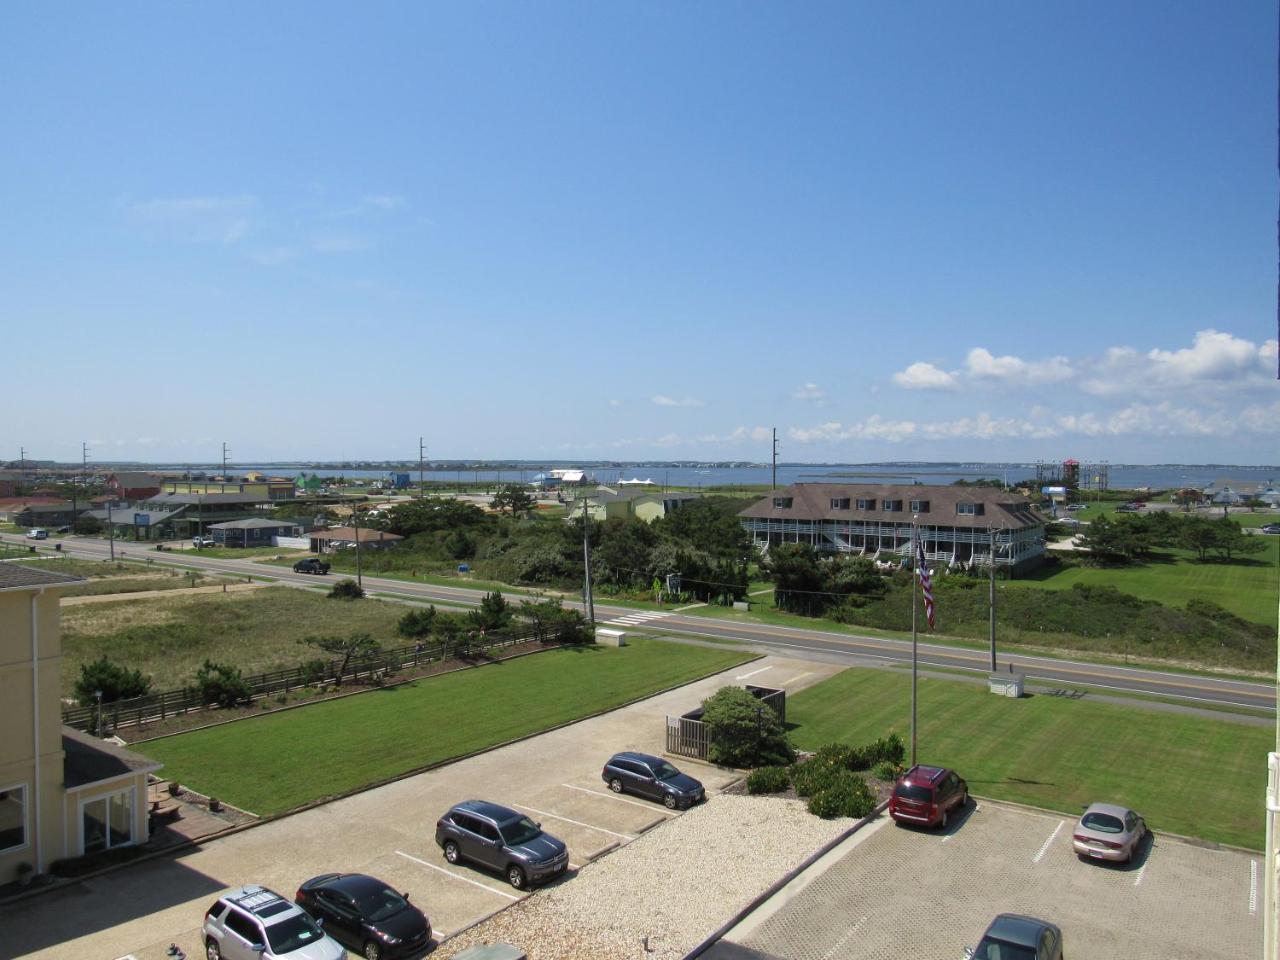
{"type": "Point", "coordinates": [818, 645]}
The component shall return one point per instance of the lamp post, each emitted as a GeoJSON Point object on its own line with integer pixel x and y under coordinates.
{"type": "Point", "coordinates": [98, 696]}
{"type": "Point", "coordinates": [355, 520]}
{"type": "Point", "coordinates": [992, 597]}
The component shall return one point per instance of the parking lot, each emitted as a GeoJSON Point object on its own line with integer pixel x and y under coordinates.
{"type": "Point", "coordinates": [894, 892]}
{"type": "Point", "coordinates": [387, 832]}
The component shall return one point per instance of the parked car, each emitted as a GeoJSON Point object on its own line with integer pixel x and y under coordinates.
{"type": "Point", "coordinates": [201, 542]}
{"type": "Point", "coordinates": [652, 777]}
{"type": "Point", "coordinates": [311, 565]}
{"type": "Point", "coordinates": [1013, 936]}
{"type": "Point", "coordinates": [1126, 508]}
{"type": "Point", "coordinates": [252, 922]}
{"type": "Point", "coordinates": [37, 533]}
{"type": "Point", "coordinates": [365, 914]}
{"type": "Point", "coordinates": [1108, 832]}
{"type": "Point", "coordinates": [1271, 528]}
{"type": "Point", "coordinates": [65, 528]}
{"type": "Point", "coordinates": [926, 796]}
{"type": "Point", "coordinates": [1077, 506]}
{"type": "Point", "coordinates": [502, 839]}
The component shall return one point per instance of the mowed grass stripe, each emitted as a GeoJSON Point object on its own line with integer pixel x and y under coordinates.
{"type": "Point", "coordinates": [1187, 774]}
{"type": "Point", "coordinates": [273, 763]}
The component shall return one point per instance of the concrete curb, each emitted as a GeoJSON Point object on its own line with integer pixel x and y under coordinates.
{"type": "Point", "coordinates": [773, 889]}
{"type": "Point", "coordinates": [240, 828]}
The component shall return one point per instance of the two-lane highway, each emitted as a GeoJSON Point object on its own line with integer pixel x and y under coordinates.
{"type": "Point", "coordinates": [795, 642]}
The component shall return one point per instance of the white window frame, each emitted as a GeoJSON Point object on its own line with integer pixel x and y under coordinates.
{"type": "Point", "coordinates": [866, 504]}
{"type": "Point", "coordinates": [966, 509]}
{"type": "Point", "coordinates": [919, 506]}
{"type": "Point", "coordinates": [132, 791]}
{"type": "Point", "coordinates": [26, 817]}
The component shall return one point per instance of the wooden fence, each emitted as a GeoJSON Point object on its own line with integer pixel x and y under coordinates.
{"type": "Point", "coordinates": [689, 736]}
{"type": "Point", "coordinates": [159, 706]}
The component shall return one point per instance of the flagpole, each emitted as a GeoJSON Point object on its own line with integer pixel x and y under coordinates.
{"type": "Point", "coordinates": [915, 574]}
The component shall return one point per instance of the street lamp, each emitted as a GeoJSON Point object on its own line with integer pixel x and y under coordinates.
{"type": "Point", "coordinates": [98, 696]}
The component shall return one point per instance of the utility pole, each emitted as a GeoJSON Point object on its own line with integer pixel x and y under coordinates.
{"type": "Point", "coordinates": [775, 458]}
{"type": "Point", "coordinates": [22, 462]}
{"type": "Point", "coordinates": [992, 597]}
{"type": "Point", "coordinates": [586, 565]}
{"type": "Point", "coordinates": [422, 484]}
{"type": "Point", "coordinates": [225, 451]}
{"type": "Point", "coordinates": [355, 520]}
{"type": "Point", "coordinates": [111, 531]}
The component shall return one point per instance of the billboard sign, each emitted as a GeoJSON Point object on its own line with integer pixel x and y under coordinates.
{"type": "Point", "coordinates": [142, 519]}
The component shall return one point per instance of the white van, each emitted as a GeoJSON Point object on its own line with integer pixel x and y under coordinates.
{"type": "Point", "coordinates": [37, 533]}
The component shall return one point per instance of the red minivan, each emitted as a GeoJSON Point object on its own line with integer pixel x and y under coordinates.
{"type": "Point", "coordinates": [927, 795]}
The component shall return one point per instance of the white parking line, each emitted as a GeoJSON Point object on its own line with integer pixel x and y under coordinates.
{"type": "Point", "coordinates": [458, 876]}
{"type": "Point", "coordinates": [798, 677]}
{"type": "Point", "coordinates": [613, 796]}
{"type": "Point", "coordinates": [743, 676]}
{"type": "Point", "coordinates": [1047, 843]}
{"type": "Point", "coordinates": [576, 823]}
{"type": "Point", "coordinates": [1137, 881]}
{"type": "Point", "coordinates": [1253, 886]}
{"type": "Point", "coordinates": [845, 939]}
{"type": "Point", "coordinates": [692, 606]}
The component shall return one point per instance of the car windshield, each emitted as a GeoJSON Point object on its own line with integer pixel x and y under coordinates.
{"type": "Point", "coordinates": [293, 933]}
{"type": "Point", "coordinates": [1102, 822]}
{"type": "Point", "coordinates": [990, 949]}
{"type": "Point", "coordinates": [376, 905]}
{"type": "Point", "coordinates": [520, 831]}
{"type": "Point", "coordinates": [665, 771]}
{"type": "Point", "coordinates": [909, 791]}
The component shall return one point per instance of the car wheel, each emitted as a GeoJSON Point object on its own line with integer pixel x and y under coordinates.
{"type": "Point", "coordinates": [945, 817]}
{"type": "Point", "coordinates": [211, 949]}
{"type": "Point", "coordinates": [451, 851]}
{"type": "Point", "coordinates": [372, 950]}
{"type": "Point", "coordinates": [615, 785]}
{"type": "Point", "coordinates": [669, 801]}
{"type": "Point", "coordinates": [516, 877]}
{"type": "Point", "coordinates": [964, 800]}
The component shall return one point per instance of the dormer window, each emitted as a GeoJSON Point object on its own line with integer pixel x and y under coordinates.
{"type": "Point", "coordinates": [969, 509]}
{"type": "Point", "coordinates": [919, 506]}
{"type": "Point", "coordinates": [839, 503]}
{"type": "Point", "coordinates": [892, 506]}
{"type": "Point", "coordinates": [782, 503]}
{"type": "Point", "coordinates": [866, 504]}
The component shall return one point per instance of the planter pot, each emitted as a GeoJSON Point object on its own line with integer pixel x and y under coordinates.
{"type": "Point", "coordinates": [174, 789]}
{"type": "Point", "coordinates": [215, 804]}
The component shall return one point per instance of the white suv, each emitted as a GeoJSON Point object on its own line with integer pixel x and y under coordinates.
{"type": "Point", "coordinates": [252, 922]}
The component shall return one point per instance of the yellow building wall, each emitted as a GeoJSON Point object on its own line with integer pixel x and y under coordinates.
{"type": "Point", "coordinates": [18, 748]}
{"type": "Point", "coordinates": [75, 799]}
{"type": "Point", "coordinates": [649, 510]}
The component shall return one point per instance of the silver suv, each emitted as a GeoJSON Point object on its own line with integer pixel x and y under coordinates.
{"type": "Point", "coordinates": [502, 839]}
{"type": "Point", "coordinates": [252, 922]}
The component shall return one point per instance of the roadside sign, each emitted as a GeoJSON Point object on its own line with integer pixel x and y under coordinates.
{"type": "Point", "coordinates": [142, 519]}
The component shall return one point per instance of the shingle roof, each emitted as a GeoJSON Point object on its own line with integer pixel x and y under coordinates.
{"type": "Point", "coordinates": [16, 576]}
{"type": "Point", "coordinates": [87, 759]}
{"type": "Point", "coordinates": [812, 501]}
{"type": "Point", "coordinates": [349, 533]}
{"type": "Point", "coordinates": [208, 499]}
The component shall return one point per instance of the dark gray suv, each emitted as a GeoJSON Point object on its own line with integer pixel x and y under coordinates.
{"type": "Point", "coordinates": [502, 839]}
{"type": "Point", "coordinates": [652, 777]}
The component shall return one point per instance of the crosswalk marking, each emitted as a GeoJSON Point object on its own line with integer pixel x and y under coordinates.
{"type": "Point", "coordinates": [639, 617]}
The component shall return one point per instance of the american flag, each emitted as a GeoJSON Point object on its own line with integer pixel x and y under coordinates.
{"type": "Point", "coordinates": [926, 584]}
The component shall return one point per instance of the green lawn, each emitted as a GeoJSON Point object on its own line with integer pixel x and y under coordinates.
{"type": "Point", "coordinates": [277, 762]}
{"type": "Point", "coordinates": [1185, 774]}
{"type": "Point", "coordinates": [1248, 587]}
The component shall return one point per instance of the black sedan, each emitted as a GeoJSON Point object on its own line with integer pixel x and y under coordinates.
{"type": "Point", "coordinates": [365, 914]}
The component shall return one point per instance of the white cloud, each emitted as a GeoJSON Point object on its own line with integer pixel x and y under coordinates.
{"type": "Point", "coordinates": [981, 364]}
{"type": "Point", "coordinates": [1215, 360]}
{"type": "Point", "coordinates": [615, 403]}
{"type": "Point", "coordinates": [195, 219]}
{"type": "Point", "coordinates": [811, 393]}
{"type": "Point", "coordinates": [925, 376]}
{"type": "Point", "coordinates": [740, 435]}
{"type": "Point", "coordinates": [383, 201]}
{"type": "Point", "coordinates": [665, 401]}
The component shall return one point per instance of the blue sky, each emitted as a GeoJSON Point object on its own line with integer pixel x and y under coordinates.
{"type": "Point", "coordinates": [927, 231]}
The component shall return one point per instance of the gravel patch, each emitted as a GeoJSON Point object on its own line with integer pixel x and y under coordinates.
{"type": "Point", "coordinates": [675, 884]}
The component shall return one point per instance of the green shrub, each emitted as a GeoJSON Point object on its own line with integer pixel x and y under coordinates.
{"type": "Point", "coordinates": [839, 755]}
{"type": "Point", "coordinates": [346, 590]}
{"type": "Point", "coordinates": [416, 624]}
{"type": "Point", "coordinates": [846, 796]}
{"type": "Point", "coordinates": [112, 680]}
{"type": "Point", "coordinates": [886, 770]}
{"type": "Point", "coordinates": [890, 748]}
{"type": "Point", "coordinates": [768, 780]}
{"type": "Point", "coordinates": [814, 775]}
{"type": "Point", "coordinates": [222, 684]}
{"type": "Point", "coordinates": [743, 731]}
